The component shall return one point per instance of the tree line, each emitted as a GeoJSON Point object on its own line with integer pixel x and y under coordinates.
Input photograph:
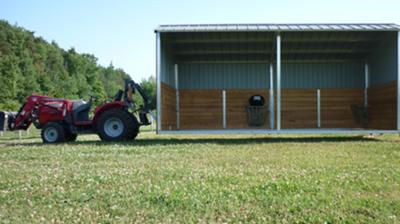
{"type": "Point", "coordinates": [31, 65]}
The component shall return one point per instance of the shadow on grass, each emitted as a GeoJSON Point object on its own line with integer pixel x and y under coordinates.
{"type": "Point", "coordinates": [233, 141]}
{"type": "Point", "coordinates": [217, 141]}
{"type": "Point", "coordinates": [17, 138]}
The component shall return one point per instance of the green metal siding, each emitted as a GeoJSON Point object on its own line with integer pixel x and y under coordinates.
{"type": "Point", "coordinates": [167, 65]}
{"type": "Point", "coordinates": [383, 61]}
{"type": "Point", "coordinates": [237, 74]}
{"type": "Point", "coordinates": [223, 76]}
{"type": "Point", "coordinates": [256, 76]}
{"type": "Point", "coordinates": [323, 75]}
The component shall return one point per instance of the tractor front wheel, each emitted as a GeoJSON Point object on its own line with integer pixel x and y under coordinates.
{"type": "Point", "coordinates": [117, 125]}
{"type": "Point", "coordinates": [53, 132]}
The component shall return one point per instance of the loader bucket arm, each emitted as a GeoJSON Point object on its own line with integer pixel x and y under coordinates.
{"type": "Point", "coordinates": [132, 87]}
{"type": "Point", "coordinates": [22, 119]}
{"type": "Point", "coordinates": [136, 87]}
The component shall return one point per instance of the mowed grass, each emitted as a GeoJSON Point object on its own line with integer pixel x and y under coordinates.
{"type": "Point", "coordinates": [191, 179]}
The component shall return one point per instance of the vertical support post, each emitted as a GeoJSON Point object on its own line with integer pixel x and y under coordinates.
{"type": "Point", "coordinates": [398, 81]}
{"type": "Point", "coordinates": [177, 97]}
{"type": "Point", "coordinates": [20, 134]}
{"type": "Point", "coordinates": [158, 77]}
{"type": "Point", "coordinates": [271, 96]}
{"type": "Point", "coordinates": [318, 108]}
{"type": "Point", "coordinates": [366, 70]}
{"type": "Point", "coordinates": [224, 109]}
{"type": "Point", "coordinates": [1, 133]}
{"type": "Point", "coordinates": [278, 82]}
{"type": "Point", "coordinates": [152, 123]}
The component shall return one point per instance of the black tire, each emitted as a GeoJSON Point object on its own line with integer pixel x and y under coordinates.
{"type": "Point", "coordinates": [117, 125]}
{"type": "Point", "coordinates": [135, 126]}
{"type": "Point", "coordinates": [53, 132]}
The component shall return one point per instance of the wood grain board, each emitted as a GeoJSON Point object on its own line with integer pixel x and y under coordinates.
{"type": "Point", "coordinates": [202, 109]}
{"type": "Point", "coordinates": [336, 107]}
{"type": "Point", "coordinates": [382, 101]}
{"type": "Point", "coordinates": [168, 107]}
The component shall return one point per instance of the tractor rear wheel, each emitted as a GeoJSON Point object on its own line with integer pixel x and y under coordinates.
{"type": "Point", "coordinates": [136, 126]}
{"type": "Point", "coordinates": [117, 125]}
{"type": "Point", "coordinates": [53, 132]}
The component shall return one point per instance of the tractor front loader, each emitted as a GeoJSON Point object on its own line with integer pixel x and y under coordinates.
{"type": "Point", "coordinates": [61, 120]}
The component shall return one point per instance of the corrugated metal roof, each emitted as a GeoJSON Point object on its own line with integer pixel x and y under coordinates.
{"type": "Point", "coordinates": [278, 27]}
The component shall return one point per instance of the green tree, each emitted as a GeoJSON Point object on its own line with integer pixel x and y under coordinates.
{"type": "Point", "coordinates": [8, 82]}
{"type": "Point", "coordinates": [27, 83]}
{"type": "Point", "coordinates": [29, 64]}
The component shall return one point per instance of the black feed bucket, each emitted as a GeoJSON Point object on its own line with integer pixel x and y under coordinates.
{"type": "Point", "coordinates": [360, 115]}
{"type": "Point", "coordinates": [256, 111]}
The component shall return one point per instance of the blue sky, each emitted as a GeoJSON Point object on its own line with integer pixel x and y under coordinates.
{"type": "Point", "coordinates": [121, 31]}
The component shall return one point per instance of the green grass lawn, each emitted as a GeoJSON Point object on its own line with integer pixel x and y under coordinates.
{"type": "Point", "coordinates": [170, 179]}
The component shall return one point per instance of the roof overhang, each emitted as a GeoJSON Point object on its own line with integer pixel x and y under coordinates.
{"type": "Point", "coordinates": [257, 42]}
{"type": "Point", "coordinates": [278, 27]}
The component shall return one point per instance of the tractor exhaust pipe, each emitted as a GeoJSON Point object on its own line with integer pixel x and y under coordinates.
{"type": "Point", "coordinates": [6, 119]}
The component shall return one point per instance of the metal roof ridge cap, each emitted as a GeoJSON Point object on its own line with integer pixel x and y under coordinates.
{"type": "Point", "coordinates": [267, 24]}
{"type": "Point", "coordinates": [279, 27]}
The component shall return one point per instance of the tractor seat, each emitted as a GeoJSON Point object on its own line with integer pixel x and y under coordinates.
{"type": "Point", "coordinates": [80, 110]}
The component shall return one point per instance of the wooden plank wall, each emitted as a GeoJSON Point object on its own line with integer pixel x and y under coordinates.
{"type": "Point", "coordinates": [383, 106]}
{"type": "Point", "coordinates": [336, 107]}
{"type": "Point", "coordinates": [168, 107]}
{"type": "Point", "coordinates": [298, 108]}
{"type": "Point", "coordinates": [200, 109]}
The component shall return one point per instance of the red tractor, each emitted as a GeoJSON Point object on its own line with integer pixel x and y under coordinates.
{"type": "Point", "coordinates": [61, 120]}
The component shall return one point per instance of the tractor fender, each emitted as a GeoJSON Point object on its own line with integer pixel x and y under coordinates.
{"type": "Point", "coordinates": [105, 107]}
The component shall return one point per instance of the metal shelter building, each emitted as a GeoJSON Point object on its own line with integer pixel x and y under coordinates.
{"type": "Point", "coordinates": [311, 76]}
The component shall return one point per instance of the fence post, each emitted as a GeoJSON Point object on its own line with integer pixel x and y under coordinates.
{"type": "Point", "coordinates": [152, 126]}
{"type": "Point", "coordinates": [318, 108]}
{"type": "Point", "coordinates": [223, 109]}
